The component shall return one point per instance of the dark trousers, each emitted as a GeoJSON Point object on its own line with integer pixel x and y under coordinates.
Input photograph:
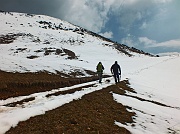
{"type": "Point", "coordinates": [100, 76]}
{"type": "Point", "coordinates": [116, 77]}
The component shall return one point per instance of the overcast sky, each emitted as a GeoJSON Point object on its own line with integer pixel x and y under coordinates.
{"type": "Point", "coordinates": [149, 25]}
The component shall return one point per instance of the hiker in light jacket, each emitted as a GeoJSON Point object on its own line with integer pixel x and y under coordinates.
{"type": "Point", "coordinates": [116, 71]}
{"type": "Point", "coordinates": [100, 69]}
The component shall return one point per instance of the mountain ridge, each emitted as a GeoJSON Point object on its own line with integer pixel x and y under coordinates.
{"type": "Point", "coordinates": [79, 30]}
{"type": "Point", "coordinates": [32, 42]}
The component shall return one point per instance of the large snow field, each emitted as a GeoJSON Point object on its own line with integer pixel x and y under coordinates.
{"type": "Point", "coordinates": [155, 79]}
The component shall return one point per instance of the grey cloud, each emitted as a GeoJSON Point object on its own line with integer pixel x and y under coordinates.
{"type": "Point", "coordinates": [45, 7]}
{"type": "Point", "coordinates": [89, 14]}
{"type": "Point", "coordinates": [155, 19]}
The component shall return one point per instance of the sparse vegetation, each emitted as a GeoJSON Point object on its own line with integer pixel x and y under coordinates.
{"type": "Point", "coordinates": [32, 57]}
{"type": "Point", "coordinates": [16, 84]}
{"type": "Point", "coordinates": [94, 113]}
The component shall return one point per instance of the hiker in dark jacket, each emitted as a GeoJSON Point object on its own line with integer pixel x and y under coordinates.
{"type": "Point", "coordinates": [116, 71]}
{"type": "Point", "coordinates": [100, 69]}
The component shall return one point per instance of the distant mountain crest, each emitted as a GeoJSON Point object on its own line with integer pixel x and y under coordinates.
{"type": "Point", "coordinates": [68, 27]}
{"type": "Point", "coordinates": [32, 39]}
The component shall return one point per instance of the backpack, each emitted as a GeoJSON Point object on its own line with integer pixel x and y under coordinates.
{"type": "Point", "coordinates": [99, 68]}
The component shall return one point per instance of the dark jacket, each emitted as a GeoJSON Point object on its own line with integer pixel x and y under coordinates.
{"type": "Point", "coordinates": [115, 69]}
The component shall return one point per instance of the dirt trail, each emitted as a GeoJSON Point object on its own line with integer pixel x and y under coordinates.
{"type": "Point", "coordinates": [94, 113]}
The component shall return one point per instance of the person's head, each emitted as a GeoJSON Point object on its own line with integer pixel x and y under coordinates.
{"type": "Point", "coordinates": [116, 62]}
{"type": "Point", "coordinates": [100, 63]}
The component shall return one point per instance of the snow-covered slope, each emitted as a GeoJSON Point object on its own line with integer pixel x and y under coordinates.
{"type": "Point", "coordinates": [35, 43]}
{"type": "Point", "coordinates": [157, 101]}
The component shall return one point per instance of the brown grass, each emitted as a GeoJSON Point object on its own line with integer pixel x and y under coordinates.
{"type": "Point", "coordinates": [94, 113]}
{"type": "Point", "coordinates": [18, 84]}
